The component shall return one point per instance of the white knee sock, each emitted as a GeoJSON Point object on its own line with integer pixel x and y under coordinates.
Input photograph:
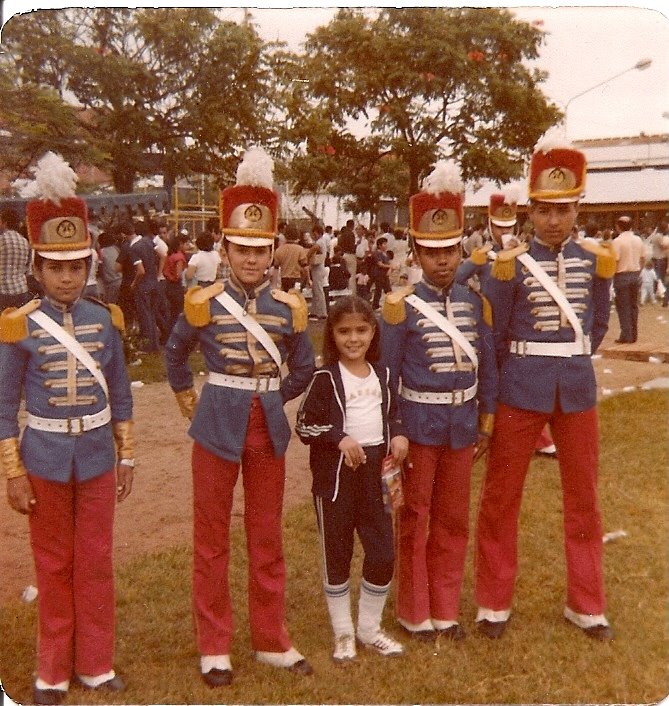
{"type": "Point", "coordinates": [338, 599]}
{"type": "Point", "coordinates": [370, 608]}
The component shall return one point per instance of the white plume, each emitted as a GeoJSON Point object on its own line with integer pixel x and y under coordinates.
{"type": "Point", "coordinates": [54, 180]}
{"type": "Point", "coordinates": [553, 139]}
{"type": "Point", "coordinates": [512, 193]}
{"type": "Point", "coordinates": [256, 169]}
{"type": "Point", "coordinates": [444, 177]}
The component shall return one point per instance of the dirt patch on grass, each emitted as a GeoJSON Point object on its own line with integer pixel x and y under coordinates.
{"type": "Point", "coordinates": [158, 513]}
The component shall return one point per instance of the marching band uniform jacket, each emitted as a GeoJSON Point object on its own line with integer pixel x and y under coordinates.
{"type": "Point", "coordinates": [524, 311]}
{"type": "Point", "coordinates": [222, 413]}
{"type": "Point", "coordinates": [57, 386]}
{"type": "Point", "coordinates": [320, 424]}
{"type": "Point", "coordinates": [423, 357]}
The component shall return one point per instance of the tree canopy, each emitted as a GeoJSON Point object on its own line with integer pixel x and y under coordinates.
{"type": "Point", "coordinates": [375, 98]}
{"type": "Point", "coordinates": [166, 91]}
{"type": "Point", "coordinates": [424, 83]}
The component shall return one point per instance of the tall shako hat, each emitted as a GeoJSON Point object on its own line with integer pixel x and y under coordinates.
{"type": "Point", "coordinates": [436, 214]}
{"type": "Point", "coordinates": [503, 206]}
{"type": "Point", "coordinates": [56, 219]}
{"type": "Point", "coordinates": [249, 209]}
{"type": "Point", "coordinates": [557, 170]}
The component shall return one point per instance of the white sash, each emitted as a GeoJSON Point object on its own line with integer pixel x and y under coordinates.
{"type": "Point", "coordinates": [551, 287]}
{"type": "Point", "coordinates": [251, 325]}
{"type": "Point", "coordinates": [72, 345]}
{"type": "Point", "coordinates": [445, 325]}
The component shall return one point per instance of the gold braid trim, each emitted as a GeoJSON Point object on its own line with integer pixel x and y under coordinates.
{"type": "Point", "coordinates": [298, 307]}
{"type": "Point", "coordinates": [486, 423]}
{"type": "Point", "coordinates": [196, 303]}
{"type": "Point", "coordinates": [14, 322]}
{"type": "Point", "coordinates": [124, 438]}
{"type": "Point", "coordinates": [606, 260]}
{"type": "Point", "coordinates": [504, 265]}
{"type": "Point", "coordinates": [187, 401]}
{"type": "Point", "coordinates": [487, 310]}
{"type": "Point", "coordinates": [479, 256]}
{"type": "Point", "coordinates": [10, 458]}
{"type": "Point", "coordinates": [394, 308]}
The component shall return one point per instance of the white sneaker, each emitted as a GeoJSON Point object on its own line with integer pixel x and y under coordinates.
{"type": "Point", "coordinates": [344, 650]}
{"type": "Point", "coordinates": [383, 644]}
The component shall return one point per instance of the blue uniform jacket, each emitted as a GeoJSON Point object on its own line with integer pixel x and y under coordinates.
{"type": "Point", "coordinates": [320, 424]}
{"type": "Point", "coordinates": [467, 269]}
{"type": "Point", "coordinates": [422, 356]}
{"type": "Point", "coordinates": [523, 310]}
{"type": "Point", "coordinates": [222, 414]}
{"type": "Point", "coordinates": [57, 386]}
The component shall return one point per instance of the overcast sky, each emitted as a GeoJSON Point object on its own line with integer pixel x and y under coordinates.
{"type": "Point", "coordinates": [584, 46]}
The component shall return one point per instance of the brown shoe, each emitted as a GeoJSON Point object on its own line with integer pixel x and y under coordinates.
{"type": "Point", "coordinates": [420, 635]}
{"type": "Point", "coordinates": [217, 677]}
{"type": "Point", "coordinates": [491, 630]}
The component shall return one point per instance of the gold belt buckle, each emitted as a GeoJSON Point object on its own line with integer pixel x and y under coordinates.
{"type": "Point", "coordinates": [70, 427]}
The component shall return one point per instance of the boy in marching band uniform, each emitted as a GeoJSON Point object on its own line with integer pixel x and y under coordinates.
{"type": "Point", "coordinates": [75, 458]}
{"type": "Point", "coordinates": [246, 332]}
{"type": "Point", "coordinates": [436, 339]}
{"type": "Point", "coordinates": [551, 310]}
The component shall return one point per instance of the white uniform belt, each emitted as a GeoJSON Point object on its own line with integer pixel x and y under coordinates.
{"type": "Point", "coordinates": [72, 425]}
{"type": "Point", "coordinates": [259, 384]}
{"type": "Point", "coordinates": [455, 397]}
{"type": "Point", "coordinates": [555, 350]}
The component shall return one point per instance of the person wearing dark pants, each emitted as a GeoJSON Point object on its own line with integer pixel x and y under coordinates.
{"type": "Point", "coordinates": [630, 259]}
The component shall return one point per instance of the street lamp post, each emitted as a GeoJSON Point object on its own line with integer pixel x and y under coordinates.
{"type": "Point", "coordinates": [640, 65]}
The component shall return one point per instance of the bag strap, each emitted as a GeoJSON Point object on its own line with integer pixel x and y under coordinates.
{"type": "Point", "coordinates": [445, 325]}
{"type": "Point", "coordinates": [72, 345]}
{"type": "Point", "coordinates": [551, 287]}
{"type": "Point", "coordinates": [251, 325]}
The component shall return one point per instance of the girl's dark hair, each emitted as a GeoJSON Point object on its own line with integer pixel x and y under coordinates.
{"type": "Point", "coordinates": [350, 305]}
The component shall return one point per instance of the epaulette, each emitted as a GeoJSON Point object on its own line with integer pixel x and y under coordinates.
{"type": "Point", "coordinates": [605, 265]}
{"type": "Point", "coordinates": [298, 306]}
{"type": "Point", "coordinates": [479, 256]}
{"type": "Point", "coordinates": [394, 309]}
{"type": "Point", "coordinates": [487, 309]}
{"type": "Point", "coordinates": [504, 265]}
{"type": "Point", "coordinates": [14, 322]}
{"type": "Point", "coordinates": [196, 303]}
{"type": "Point", "coordinates": [115, 311]}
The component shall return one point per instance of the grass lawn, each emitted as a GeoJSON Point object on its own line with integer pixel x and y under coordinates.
{"type": "Point", "coordinates": [541, 658]}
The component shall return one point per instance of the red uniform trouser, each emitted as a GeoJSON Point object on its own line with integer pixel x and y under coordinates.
{"type": "Point", "coordinates": [432, 532]}
{"type": "Point", "coordinates": [576, 439]}
{"type": "Point", "coordinates": [213, 483]}
{"type": "Point", "coordinates": [71, 533]}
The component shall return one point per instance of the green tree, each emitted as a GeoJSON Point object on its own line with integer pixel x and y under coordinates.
{"type": "Point", "coordinates": [424, 83]}
{"type": "Point", "coordinates": [165, 90]}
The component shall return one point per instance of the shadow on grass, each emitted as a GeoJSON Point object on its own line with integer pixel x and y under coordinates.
{"type": "Point", "coordinates": [541, 658]}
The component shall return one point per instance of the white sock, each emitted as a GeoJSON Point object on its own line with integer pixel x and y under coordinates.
{"type": "Point", "coordinates": [43, 686]}
{"type": "Point", "coordinates": [370, 608]}
{"type": "Point", "coordinates": [94, 682]}
{"type": "Point", "coordinates": [338, 599]}
{"type": "Point", "coordinates": [209, 662]}
{"type": "Point", "coordinates": [280, 659]}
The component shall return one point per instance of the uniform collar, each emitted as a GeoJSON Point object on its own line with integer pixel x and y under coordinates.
{"type": "Point", "coordinates": [439, 291]}
{"type": "Point", "coordinates": [552, 248]}
{"type": "Point", "coordinates": [238, 287]}
{"type": "Point", "coordinates": [57, 306]}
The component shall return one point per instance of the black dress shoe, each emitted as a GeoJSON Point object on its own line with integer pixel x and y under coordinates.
{"type": "Point", "coordinates": [48, 697]}
{"type": "Point", "coordinates": [420, 635]}
{"type": "Point", "coordinates": [455, 633]}
{"type": "Point", "coordinates": [218, 677]}
{"type": "Point", "coordinates": [492, 630]}
{"type": "Point", "coordinates": [114, 684]}
{"type": "Point", "coordinates": [602, 633]}
{"type": "Point", "coordinates": [301, 667]}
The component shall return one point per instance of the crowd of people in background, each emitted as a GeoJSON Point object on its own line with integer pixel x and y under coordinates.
{"type": "Point", "coordinates": [145, 266]}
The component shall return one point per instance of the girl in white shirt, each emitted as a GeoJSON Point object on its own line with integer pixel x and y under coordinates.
{"type": "Point", "coordinates": [203, 265]}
